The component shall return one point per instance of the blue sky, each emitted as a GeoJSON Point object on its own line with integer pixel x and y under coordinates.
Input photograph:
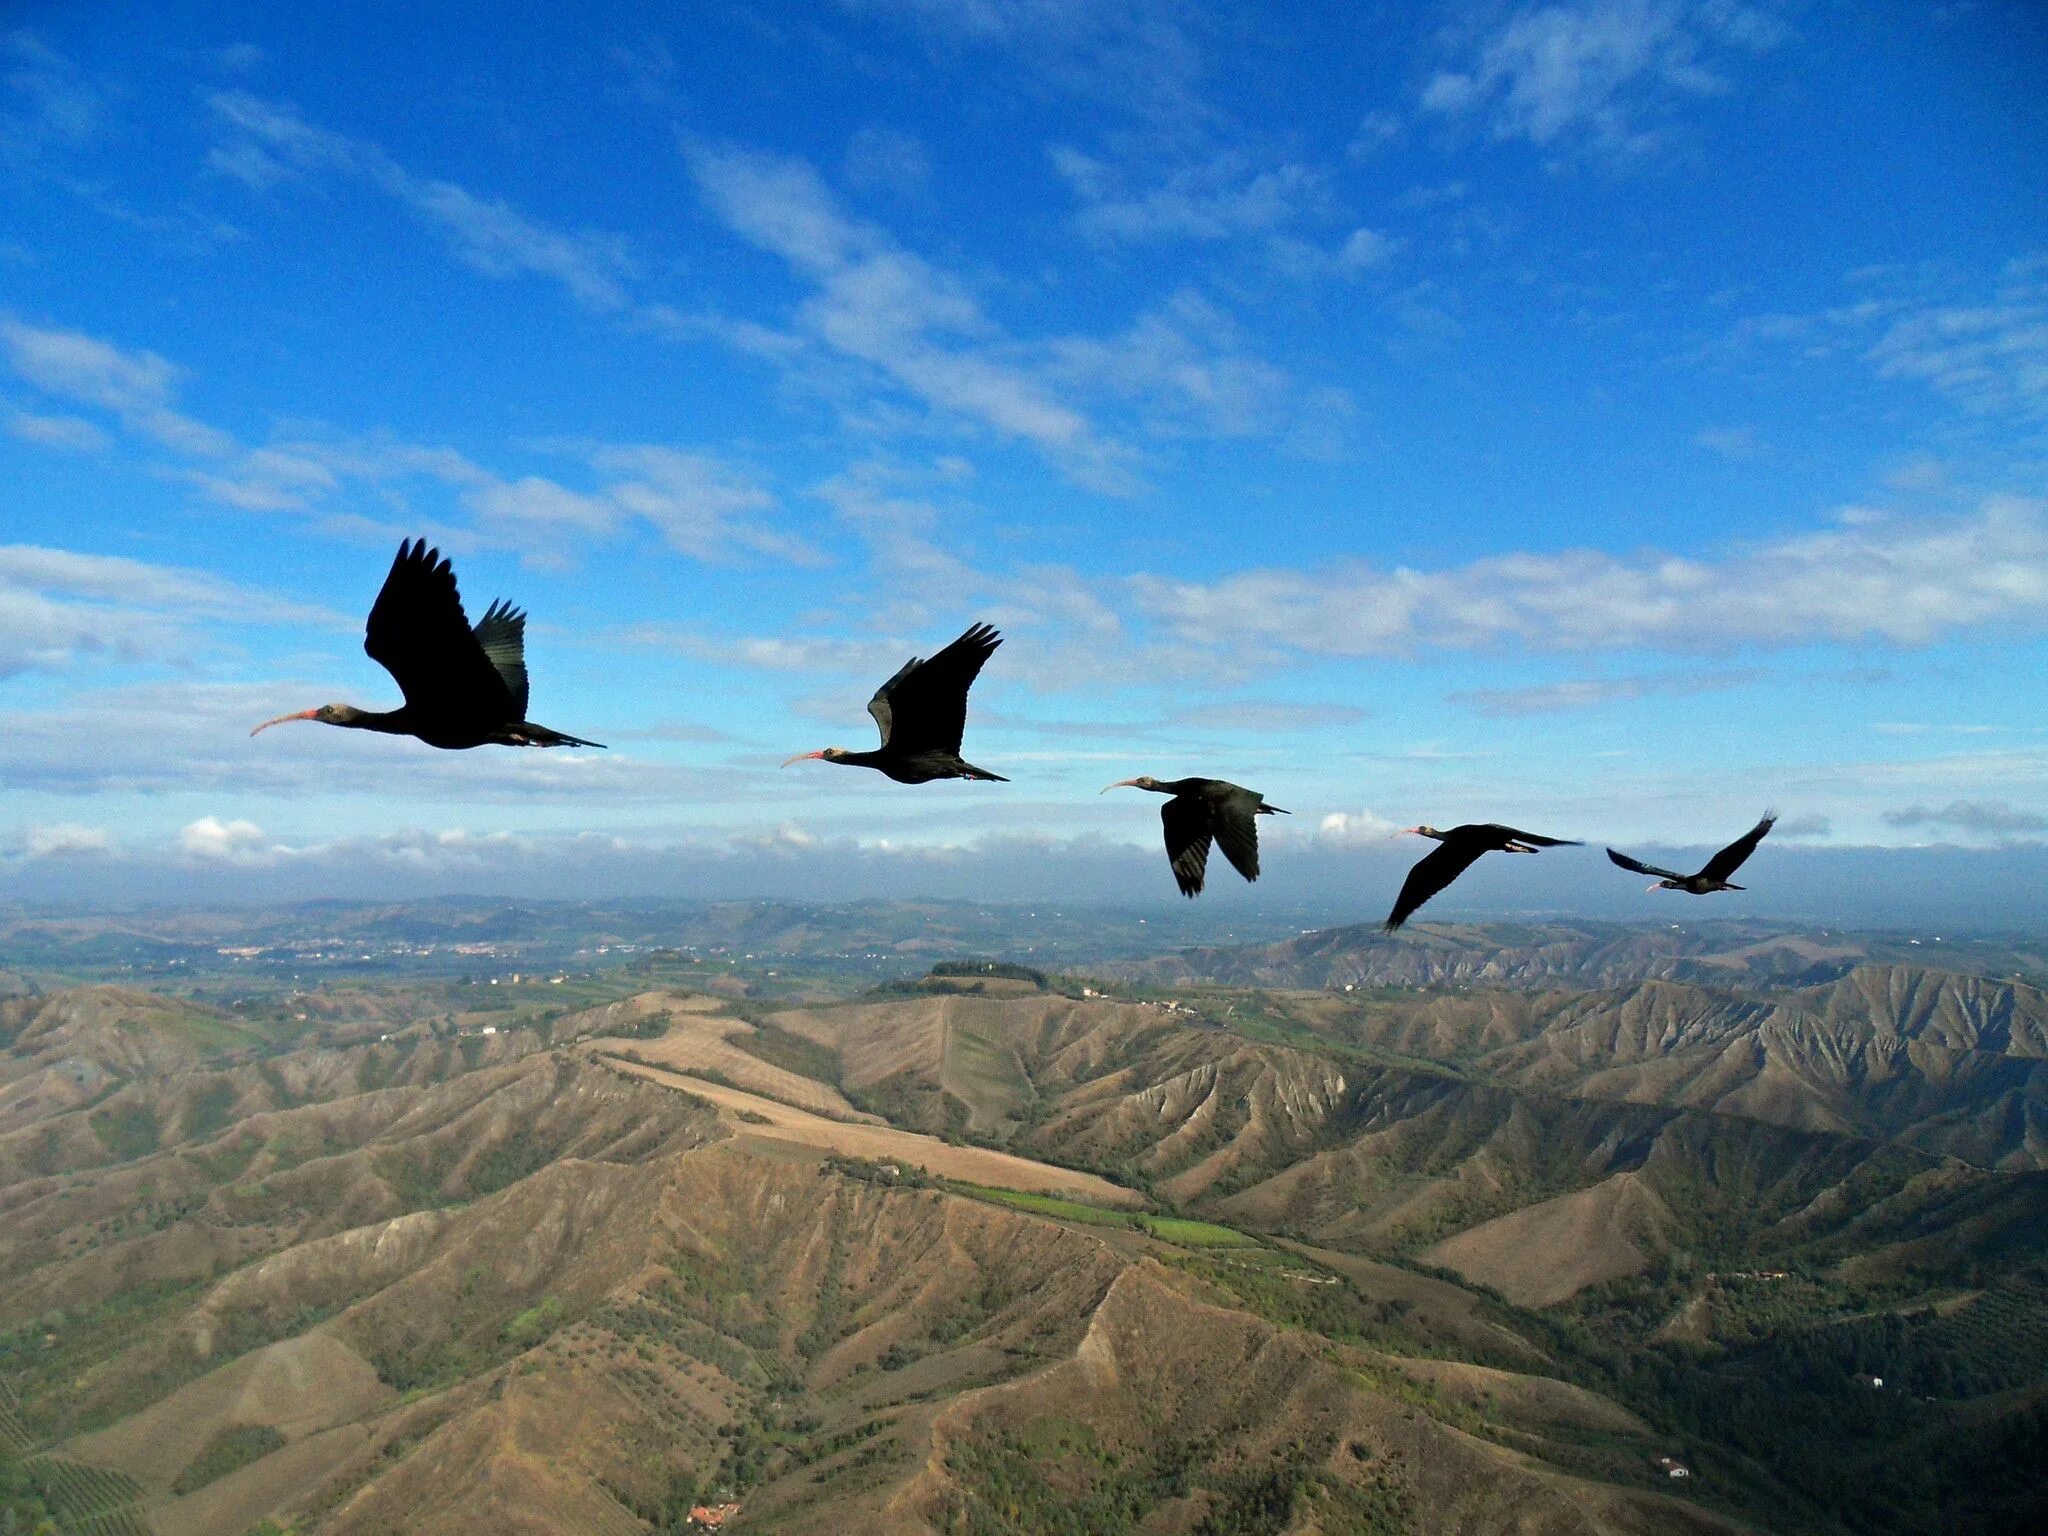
{"type": "Point", "coordinates": [1613, 417]}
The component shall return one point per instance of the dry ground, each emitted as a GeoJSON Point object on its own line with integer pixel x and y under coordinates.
{"type": "Point", "coordinates": [767, 1118]}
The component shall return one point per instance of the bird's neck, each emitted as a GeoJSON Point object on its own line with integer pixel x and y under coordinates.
{"type": "Point", "coordinates": [393, 722]}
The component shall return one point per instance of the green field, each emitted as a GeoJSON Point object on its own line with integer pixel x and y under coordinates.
{"type": "Point", "coordinates": [1178, 1230]}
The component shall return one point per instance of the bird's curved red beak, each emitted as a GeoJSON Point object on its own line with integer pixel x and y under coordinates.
{"type": "Point", "coordinates": [304, 714]}
{"type": "Point", "coordinates": [1120, 784]}
{"type": "Point", "coordinates": [802, 757]}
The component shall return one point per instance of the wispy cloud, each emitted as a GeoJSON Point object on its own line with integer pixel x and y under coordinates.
{"type": "Point", "coordinates": [1982, 344]}
{"type": "Point", "coordinates": [1899, 580]}
{"type": "Point", "coordinates": [1975, 818]}
{"type": "Point", "coordinates": [1216, 198]}
{"type": "Point", "coordinates": [1990, 355]}
{"type": "Point", "coordinates": [1594, 692]}
{"type": "Point", "coordinates": [1595, 70]}
{"type": "Point", "coordinates": [1739, 445]}
{"type": "Point", "coordinates": [138, 388]}
{"type": "Point", "coordinates": [1191, 370]}
{"type": "Point", "coordinates": [49, 101]}
{"type": "Point", "coordinates": [66, 840]}
{"type": "Point", "coordinates": [60, 609]}
{"type": "Point", "coordinates": [873, 301]}
{"type": "Point", "coordinates": [269, 142]}
{"type": "Point", "coordinates": [73, 434]}
{"type": "Point", "coordinates": [1140, 57]}
{"type": "Point", "coordinates": [698, 503]}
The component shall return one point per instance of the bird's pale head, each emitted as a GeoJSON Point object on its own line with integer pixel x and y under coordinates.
{"type": "Point", "coordinates": [326, 714]}
{"type": "Point", "coordinates": [1143, 781]}
{"type": "Point", "coordinates": [827, 755]}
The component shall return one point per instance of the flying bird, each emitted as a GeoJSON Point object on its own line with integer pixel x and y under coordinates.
{"type": "Point", "coordinates": [1201, 810]}
{"type": "Point", "coordinates": [1461, 848]}
{"type": "Point", "coordinates": [922, 713]}
{"type": "Point", "coordinates": [463, 687]}
{"type": "Point", "coordinates": [1713, 875]}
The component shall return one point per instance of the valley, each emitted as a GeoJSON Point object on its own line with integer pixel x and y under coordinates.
{"type": "Point", "coordinates": [1459, 1240]}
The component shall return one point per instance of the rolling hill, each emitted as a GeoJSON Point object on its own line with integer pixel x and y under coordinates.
{"type": "Point", "coordinates": [1485, 1252]}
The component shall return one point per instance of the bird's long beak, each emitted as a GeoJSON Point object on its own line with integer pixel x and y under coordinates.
{"type": "Point", "coordinates": [803, 756]}
{"type": "Point", "coordinates": [1657, 887]}
{"type": "Point", "coordinates": [304, 714]}
{"type": "Point", "coordinates": [1120, 784]}
{"type": "Point", "coordinates": [1406, 830]}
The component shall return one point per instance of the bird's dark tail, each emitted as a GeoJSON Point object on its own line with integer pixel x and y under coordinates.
{"type": "Point", "coordinates": [531, 735]}
{"type": "Point", "coordinates": [969, 771]}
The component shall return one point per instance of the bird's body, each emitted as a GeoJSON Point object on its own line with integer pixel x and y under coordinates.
{"type": "Point", "coordinates": [922, 715]}
{"type": "Point", "coordinates": [1458, 850]}
{"type": "Point", "coordinates": [1201, 811]}
{"type": "Point", "coordinates": [463, 687]}
{"type": "Point", "coordinates": [1713, 876]}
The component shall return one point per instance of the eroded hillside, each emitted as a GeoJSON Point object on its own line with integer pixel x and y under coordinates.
{"type": "Point", "coordinates": [1455, 1263]}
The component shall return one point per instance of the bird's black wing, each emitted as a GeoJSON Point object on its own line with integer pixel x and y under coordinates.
{"type": "Point", "coordinates": [1643, 869]}
{"type": "Point", "coordinates": [418, 633]}
{"type": "Point", "coordinates": [1534, 840]}
{"type": "Point", "coordinates": [1237, 830]}
{"type": "Point", "coordinates": [1431, 875]}
{"type": "Point", "coordinates": [1188, 826]}
{"type": "Point", "coordinates": [502, 634]}
{"type": "Point", "coordinates": [923, 708]}
{"type": "Point", "coordinates": [1729, 859]}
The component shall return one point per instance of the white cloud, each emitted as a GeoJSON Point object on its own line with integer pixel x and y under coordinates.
{"type": "Point", "coordinates": [1898, 580]}
{"type": "Point", "coordinates": [1138, 56]}
{"type": "Point", "coordinates": [1593, 692]}
{"type": "Point", "coordinates": [1990, 355]}
{"type": "Point", "coordinates": [486, 233]}
{"type": "Point", "coordinates": [1595, 67]}
{"type": "Point", "coordinates": [887, 160]}
{"type": "Point", "coordinates": [884, 306]}
{"type": "Point", "coordinates": [1213, 199]}
{"type": "Point", "coordinates": [1351, 829]}
{"type": "Point", "coordinates": [702, 506]}
{"type": "Point", "coordinates": [1189, 368]}
{"type": "Point", "coordinates": [66, 840]}
{"type": "Point", "coordinates": [72, 434]}
{"type": "Point", "coordinates": [1364, 248]}
{"type": "Point", "coordinates": [48, 100]}
{"type": "Point", "coordinates": [1736, 444]}
{"type": "Point", "coordinates": [215, 841]}
{"type": "Point", "coordinates": [136, 387]}
{"type": "Point", "coordinates": [59, 608]}
{"type": "Point", "coordinates": [1976, 818]}
{"type": "Point", "coordinates": [195, 740]}
{"type": "Point", "coordinates": [1981, 344]}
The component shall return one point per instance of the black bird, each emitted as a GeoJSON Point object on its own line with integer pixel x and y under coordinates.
{"type": "Point", "coordinates": [1462, 848]}
{"type": "Point", "coordinates": [922, 712]}
{"type": "Point", "coordinates": [1713, 876]}
{"type": "Point", "coordinates": [463, 687]}
{"type": "Point", "coordinates": [1202, 809]}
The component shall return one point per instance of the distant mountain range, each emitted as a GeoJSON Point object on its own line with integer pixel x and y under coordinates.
{"type": "Point", "coordinates": [1465, 1252]}
{"type": "Point", "coordinates": [1714, 953]}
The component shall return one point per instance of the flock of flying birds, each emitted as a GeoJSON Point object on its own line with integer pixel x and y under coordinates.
{"type": "Point", "coordinates": [465, 687]}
